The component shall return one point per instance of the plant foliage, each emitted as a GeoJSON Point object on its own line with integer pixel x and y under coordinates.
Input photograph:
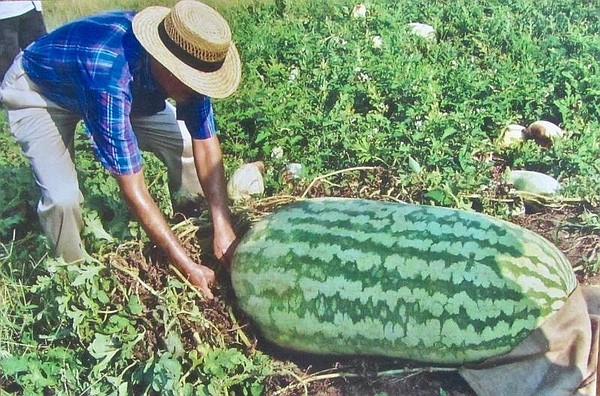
{"type": "Point", "coordinates": [329, 91]}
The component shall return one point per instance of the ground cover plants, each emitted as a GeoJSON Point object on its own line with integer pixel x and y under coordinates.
{"type": "Point", "coordinates": [369, 110]}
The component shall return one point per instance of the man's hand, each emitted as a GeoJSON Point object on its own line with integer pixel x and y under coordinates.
{"type": "Point", "coordinates": [202, 277]}
{"type": "Point", "coordinates": [224, 243]}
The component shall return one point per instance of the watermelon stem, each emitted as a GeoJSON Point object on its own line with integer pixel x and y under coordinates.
{"type": "Point", "coordinates": [325, 176]}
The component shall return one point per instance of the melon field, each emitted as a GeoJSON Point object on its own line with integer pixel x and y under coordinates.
{"type": "Point", "coordinates": [363, 106]}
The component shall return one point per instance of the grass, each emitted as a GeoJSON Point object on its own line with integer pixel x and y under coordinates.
{"type": "Point", "coordinates": [61, 11]}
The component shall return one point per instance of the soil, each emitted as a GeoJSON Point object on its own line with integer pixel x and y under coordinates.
{"type": "Point", "coordinates": [331, 376]}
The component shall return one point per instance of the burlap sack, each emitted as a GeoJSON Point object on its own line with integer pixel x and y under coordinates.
{"type": "Point", "coordinates": [558, 358]}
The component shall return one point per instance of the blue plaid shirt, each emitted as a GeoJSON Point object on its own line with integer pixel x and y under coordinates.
{"type": "Point", "coordinates": [96, 68]}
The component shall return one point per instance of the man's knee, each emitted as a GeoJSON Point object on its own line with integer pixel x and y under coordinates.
{"type": "Point", "coordinates": [62, 202]}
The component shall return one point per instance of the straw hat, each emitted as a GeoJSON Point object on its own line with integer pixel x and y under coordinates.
{"type": "Point", "coordinates": [193, 41]}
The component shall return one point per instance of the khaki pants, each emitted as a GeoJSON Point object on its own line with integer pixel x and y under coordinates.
{"type": "Point", "coordinates": [45, 132]}
{"type": "Point", "coordinates": [559, 358]}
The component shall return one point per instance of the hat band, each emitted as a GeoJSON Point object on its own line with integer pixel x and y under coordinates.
{"type": "Point", "coordinates": [185, 56]}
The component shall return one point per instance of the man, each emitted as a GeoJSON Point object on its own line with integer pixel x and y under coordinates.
{"type": "Point", "coordinates": [115, 71]}
{"type": "Point", "coordinates": [21, 22]}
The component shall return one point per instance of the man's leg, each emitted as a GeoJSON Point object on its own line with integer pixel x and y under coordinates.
{"type": "Point", "coordinates": [9, 43]}
{"type": "Point", "coordinates": [50, 154]}
{"type": "Point", "coordinates": [45, 133]}
{"type": "Point", "coordinates": [171, 142]}
{"type": "Point", "coordinates": [31, 26]}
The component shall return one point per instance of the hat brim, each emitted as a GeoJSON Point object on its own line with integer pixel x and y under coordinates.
{"type": "Point", "coordinates": [220, 83]}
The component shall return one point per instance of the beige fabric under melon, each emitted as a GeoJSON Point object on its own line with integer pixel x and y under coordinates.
{"type": "Point", "coordinates": [559, 358]}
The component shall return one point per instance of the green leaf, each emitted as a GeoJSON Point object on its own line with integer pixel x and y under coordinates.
{"type": "Point", "coordinates": [93, 225]}
{"type": "Point", "coordinates": [103, 349]}
{"type": "Point", "coordinates": [86, 275]}
{"type": "Point", "coordinates": [438, 196]}
{"type": "Point", "coordinates": [174, 344]}
{"type": "Point", "coordinates": [414, 165]}
{"type": "Point", "coordinates": [13, 365]}
{"type": "Point", "coordinates": [135, 305]}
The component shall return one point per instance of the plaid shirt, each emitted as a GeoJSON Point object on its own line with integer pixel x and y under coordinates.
{"type": "Point", "coordinates": [96, 68]}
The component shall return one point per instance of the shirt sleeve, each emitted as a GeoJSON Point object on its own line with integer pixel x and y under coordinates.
{"type": "Point", "coordinates": [107, 121]}
{"type": "Point", "coordinates": [197, 114]}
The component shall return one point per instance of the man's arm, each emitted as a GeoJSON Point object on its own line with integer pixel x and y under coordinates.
{"type": "Point", "coordinates": [141, 203]}
{"type": "Point", "coordinates": [209, 166]}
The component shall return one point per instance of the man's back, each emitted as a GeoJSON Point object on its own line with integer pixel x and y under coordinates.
{"type": "Point", "coordinates": [94, 54]}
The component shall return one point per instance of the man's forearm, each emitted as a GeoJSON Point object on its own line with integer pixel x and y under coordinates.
{"type": "Point", "coordinates": [209, 166]}
{"type": "Point", "coordinates": [151, 219]}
